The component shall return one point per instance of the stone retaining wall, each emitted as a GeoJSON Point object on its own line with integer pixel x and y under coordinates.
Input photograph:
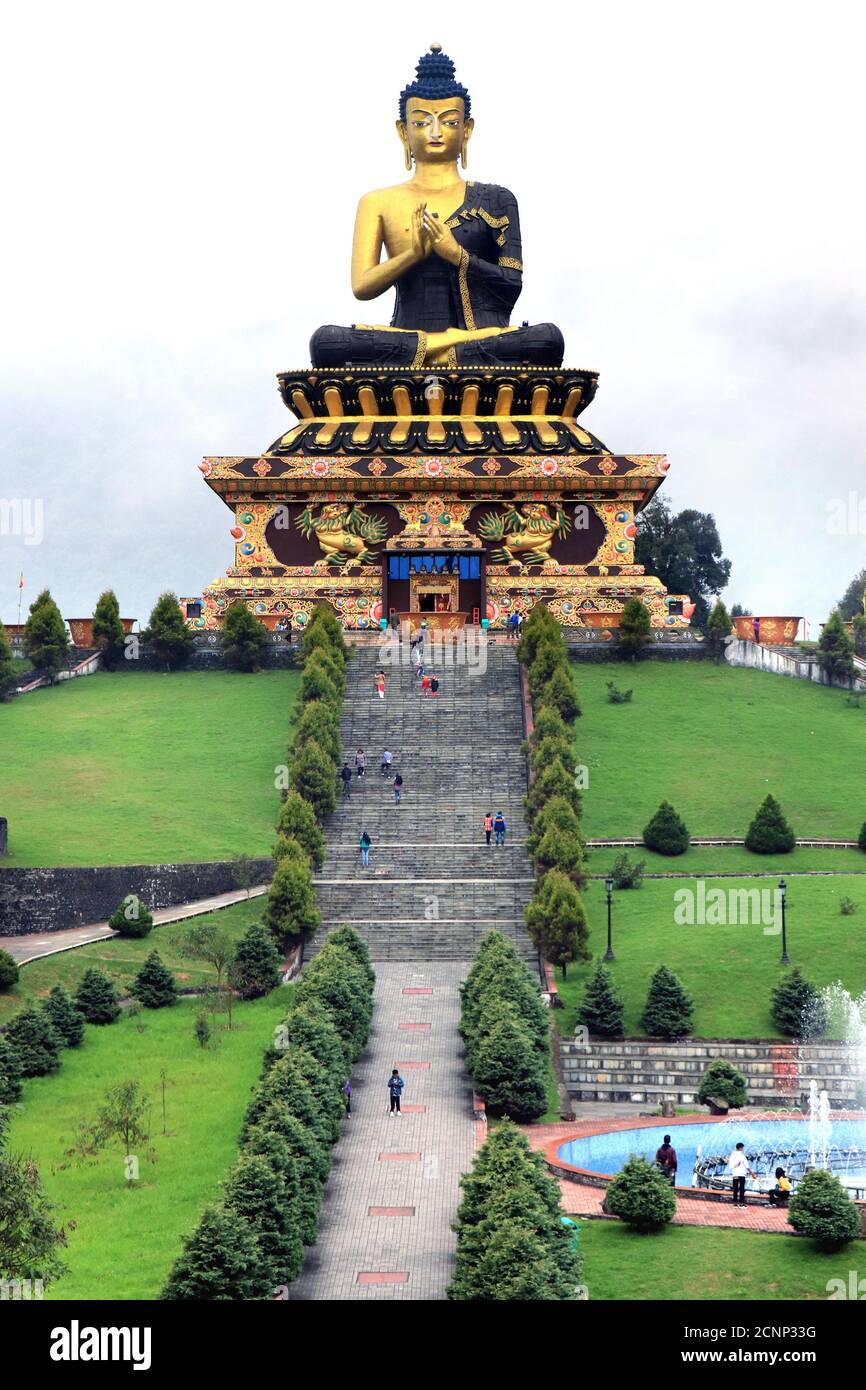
{"type": "Point", "coordinates": [778, 1073]}
{"type": "Point", "coordinates": [45, 900]}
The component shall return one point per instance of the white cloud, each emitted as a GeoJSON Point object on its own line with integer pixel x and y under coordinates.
{"type": "Point", "coordinates": [181, 182]}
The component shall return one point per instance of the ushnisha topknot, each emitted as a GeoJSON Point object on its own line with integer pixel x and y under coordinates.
{"type": "Point", "coordinates": [435, 81]}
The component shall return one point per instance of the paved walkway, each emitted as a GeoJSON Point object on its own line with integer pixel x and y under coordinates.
{"type": "Point", "coordinates": [393, 1190]}
{"type": "Point", "coordinates": [25, 948]}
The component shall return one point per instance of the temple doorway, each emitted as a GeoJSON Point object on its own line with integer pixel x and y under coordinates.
{"type": "Point", "coordinates": [443, 587]}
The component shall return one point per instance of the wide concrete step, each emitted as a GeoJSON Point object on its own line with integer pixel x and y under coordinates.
{"type": "Point", "coordinates": [464, 859]}
{"type": "Point", "coordinates": [456, 939]}
{"type": "Point", "coordinates": [426, 898]}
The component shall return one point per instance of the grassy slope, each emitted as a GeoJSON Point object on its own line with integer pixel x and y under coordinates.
{"type": "Point", "coordinates": [125, 1239]}
{"type": "Point", "coordinates": [121, 959]}
{"type": "Point", "coordinates": [729, 971]}
{"type": "Point", "coordinates": [714, 741]}
{"type": "Point", "coordinates": [686, 1263]}
{"type": "Point", "coordinates": [144, 768]}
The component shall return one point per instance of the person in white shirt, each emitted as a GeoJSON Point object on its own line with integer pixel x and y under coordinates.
{"type": "Point", "coordinates": [740, 1170]}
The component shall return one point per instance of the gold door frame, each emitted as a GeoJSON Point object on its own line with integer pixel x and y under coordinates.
{"type": "Point", "coordinates": [438, 584]}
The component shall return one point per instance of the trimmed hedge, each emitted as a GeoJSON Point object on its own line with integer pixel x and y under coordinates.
{"type": "Point", "coordinates": [272, 1197]}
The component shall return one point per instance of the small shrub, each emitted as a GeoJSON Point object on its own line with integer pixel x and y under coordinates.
{"type": "Point", "coordinates": [861, 838]}
{"type": "Point", "coordinates": [201, 1028]}
{"type": "Point", "coordinates": [847, 906]}
{"type": "Point", "coordinates": [625, 874]}
{"type": "Point", "coordinates": [615, 696]}
{"type": "Point", "coordinates": [722, 1082]}
{"type": "Point", "coordinates": [8, 972]}
{"type": "Point", "coordinates": [641, 1196]}
{"type": "Point", "coordinates": [666, 833]}
{"type": "Point", "coordinates": [131, 918]}
{"type": "Point", "coordinates": [634, 628]}
{"type": "Point", "coordinates": [769, 832]}
{"type": "Point", "coordinates": [822, 1209]}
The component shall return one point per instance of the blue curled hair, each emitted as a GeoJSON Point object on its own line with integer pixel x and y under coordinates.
{"type": "Point", "coordinates": [435, 81]}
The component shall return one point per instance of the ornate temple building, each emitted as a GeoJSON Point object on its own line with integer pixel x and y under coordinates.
{"type": "Point", "coordinates": [439, 466]}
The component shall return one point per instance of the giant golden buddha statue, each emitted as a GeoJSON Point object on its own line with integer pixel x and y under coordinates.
{"type": "Point", "coordinates": [452, 251]}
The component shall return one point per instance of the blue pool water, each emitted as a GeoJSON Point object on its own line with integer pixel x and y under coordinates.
{"type": "Point", "coordinates": [607, 1153]}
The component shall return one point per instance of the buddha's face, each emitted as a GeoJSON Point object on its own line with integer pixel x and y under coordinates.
{"type": "Point", "coordinates": [435, 130]}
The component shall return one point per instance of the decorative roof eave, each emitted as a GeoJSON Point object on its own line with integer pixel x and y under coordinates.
{"type": "Point", "coordinates": [384, 475]}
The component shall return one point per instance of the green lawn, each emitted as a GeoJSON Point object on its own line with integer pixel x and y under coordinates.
{"type": "Point", "coordinates": [121, 958]}
{"type": "Point", "coordinates": [729, 970]}
{"type": "Point", "coordinates": [125, 1238]}
{"type": "Point", "coordinates": [685, 1263]}
{"type": "Point", "coordinates": [714, 740]}
{"type": "Point", "coordinates": [733, 859]}
{"type": "Point", "coordinates": [144, 768]}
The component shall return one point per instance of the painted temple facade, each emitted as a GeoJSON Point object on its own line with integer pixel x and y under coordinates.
{"type": "Point", "coordinates": [455, 495]}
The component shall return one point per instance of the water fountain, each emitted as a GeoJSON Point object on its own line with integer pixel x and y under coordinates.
{"type": "Point", "coordinates": [794, 1139]}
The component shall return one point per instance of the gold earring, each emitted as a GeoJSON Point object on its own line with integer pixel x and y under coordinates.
{"type": "Point", "coordinates": [463, 160]}
{"type": "Point", "coordinates": [407, 155]}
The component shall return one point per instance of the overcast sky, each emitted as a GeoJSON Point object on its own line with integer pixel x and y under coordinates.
{"type": "Point", "coordinates": [180, 183]}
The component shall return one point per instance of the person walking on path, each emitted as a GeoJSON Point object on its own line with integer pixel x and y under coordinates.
{"type": "Point", "coordinates": [387, 759]}
{"type": "Point", "coordinates": [499, 828]}
{"type": "Point", "coordinates": [398, 789]}
{"type": "Point", "coordinates": [379, 681]}
{"type": "Point", "coordinates": [347, 1095]}
{"type": "Point", "coordinates": [416, 659]}
{"type": "Point", "coordinates": [395, 1091]}
{"type": "Point", "coordinates": [360, 762]}
{"type": "Point", "coordinates": [346, 779]}
{"type": "Point", "coordinates": [365, 844]}
{"type": "Point", "coordinates": [513, 621]}
{"type": "Point", "coordinates": [488, 826]}
{"type": "Point", "coordinates": [666, 1160]}
{"type": "Point", "coordinates": [425, 685]}
{"type": "Point", "coordinates": [740, 1170]}
{"type": "Point", "coordinates": [434, 687]}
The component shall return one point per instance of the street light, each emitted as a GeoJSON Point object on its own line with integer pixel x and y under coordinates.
{"type": "Point", "coordinates": [783, 891]}
{"type": "Point", "coordinates": [608, 883]}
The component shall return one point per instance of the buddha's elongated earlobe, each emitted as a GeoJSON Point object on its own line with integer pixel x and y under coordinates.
{"type": "Point", "coordinates": [463, 159]}
{"type": "Point", "coordinates": [407, 155]}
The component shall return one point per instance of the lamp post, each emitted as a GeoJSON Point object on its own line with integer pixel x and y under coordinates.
{"type": "Point", "coordinates": [783, 892]}
{"type": "Point", "coordinates": [608, 883]}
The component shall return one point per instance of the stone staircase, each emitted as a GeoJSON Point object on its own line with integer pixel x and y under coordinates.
{"type": "Point", "coordinates": [432, 888]}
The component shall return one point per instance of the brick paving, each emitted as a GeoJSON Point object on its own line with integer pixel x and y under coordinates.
{"type": "Point", "coordinates": [398, 1256]}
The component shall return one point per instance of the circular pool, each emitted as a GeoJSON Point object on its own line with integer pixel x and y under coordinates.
{"type": "Point", "coordinates": [704, 1146]}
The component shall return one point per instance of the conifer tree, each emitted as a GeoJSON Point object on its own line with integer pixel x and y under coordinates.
{"type": "Point", "coordinates": [108, 631]}
{"type": "Point", "coordinates": [36, 1045]}
{"type": "Point", "coordinates": [65, 1017]}
{"type": "Point", "coordinates": [668, 1009]}
{"type": "Point", "coordinates": [769, 832]}
{"type": "Point", "coordinates": [601, 1010]}
{"type": "Point", "coordinates": [97, 997]}
{"type": "Point", "coordinates": [154, 985]}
